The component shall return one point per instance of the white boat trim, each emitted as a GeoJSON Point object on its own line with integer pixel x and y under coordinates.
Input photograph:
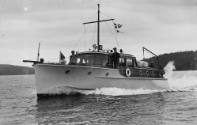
{"type": "Point", "coordinates": [135, 78]}
{"type": "Point", "coordinates": [78, 66]}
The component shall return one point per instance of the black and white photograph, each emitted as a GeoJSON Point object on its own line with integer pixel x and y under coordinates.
{"type": "Point", "coordinates": [98, 62]}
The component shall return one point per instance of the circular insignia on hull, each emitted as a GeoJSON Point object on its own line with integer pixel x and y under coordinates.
{"type": "Point", "coordinates": [89, 73]}
{"type": "Point", "coordinates": [128, 72]}
{"type": "Point", "coordinates": [107, 74]}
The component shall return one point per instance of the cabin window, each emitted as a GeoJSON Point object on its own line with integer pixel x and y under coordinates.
{"type": "Point", "coordinates": [129, 62]}
{"type": "Point", "coordinates": [84, 61]}
{"type": "Point", "coordinates": [122, 61]}
{"type": "Point", "coordinates": [92, 59]}
{"type": "Point", "coordinates": [78, 60]}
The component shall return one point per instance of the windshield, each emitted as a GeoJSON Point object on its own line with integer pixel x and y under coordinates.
{"type": "Point", "coordinates": [90, 59]}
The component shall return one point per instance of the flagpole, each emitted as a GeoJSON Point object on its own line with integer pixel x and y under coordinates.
{"type": "Point", "coordinates": [60, 57]}
{"type": "Point", "coordinates": [98, 28]}
{"type": "Point", "coordinates": [38, 55]}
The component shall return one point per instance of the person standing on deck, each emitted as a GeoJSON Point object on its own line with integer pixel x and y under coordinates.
{"type": "Point", "coordinates": [115, 58]}
{"type": "Point", "coordinates": [72, 58]}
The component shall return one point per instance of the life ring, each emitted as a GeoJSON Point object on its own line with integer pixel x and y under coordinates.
{"type": "Point", "coordinates": [128, 72]}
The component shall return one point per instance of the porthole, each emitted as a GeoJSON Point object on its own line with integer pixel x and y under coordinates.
{"type": "Point", "coordinates": [107, 74]}
{"type": "Point", "coordinates": [89, 73]}
{"type": "Point", "coordinates": [67, 71]}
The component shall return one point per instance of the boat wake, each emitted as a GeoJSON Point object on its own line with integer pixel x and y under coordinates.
{"type": "Point", "coordinates": [120, 91]}
{"type": "Point", "coordinates": [177, 80]}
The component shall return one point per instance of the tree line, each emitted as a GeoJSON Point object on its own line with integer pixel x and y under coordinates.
{"type": "Point", "coordinates": [186, 60]}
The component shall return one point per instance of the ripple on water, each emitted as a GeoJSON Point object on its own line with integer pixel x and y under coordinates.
{"type": "Point", "coordinates": [18, 105]}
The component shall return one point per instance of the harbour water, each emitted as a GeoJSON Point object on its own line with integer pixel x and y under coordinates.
{"type": "Point", "coordinates": [115, 106]}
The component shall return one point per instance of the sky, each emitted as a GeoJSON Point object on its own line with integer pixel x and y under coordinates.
{"type": "Point", "coordinates": [163, 26]}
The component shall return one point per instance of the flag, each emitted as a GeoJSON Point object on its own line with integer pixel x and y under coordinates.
{"type": "Point", "coordinates": [62, 57]}
{"type": "Point", "coordinates": [117, 27]}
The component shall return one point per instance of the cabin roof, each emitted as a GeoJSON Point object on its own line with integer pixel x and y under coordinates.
{"type": "Point", "coordinates": [102, 52]}
{"type": "Point", "coordinates": [92, 52]}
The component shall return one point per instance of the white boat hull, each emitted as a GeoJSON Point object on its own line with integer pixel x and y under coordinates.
{"type": "Point", "coordinates": [54, 79]}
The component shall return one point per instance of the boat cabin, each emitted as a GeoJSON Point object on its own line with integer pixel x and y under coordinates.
{"type": "Point", "coordinates": [101, 59]}
{"type": "Point", "coordinates": [127, 64]}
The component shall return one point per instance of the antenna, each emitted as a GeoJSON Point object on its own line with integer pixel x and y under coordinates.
{"type": "Point", "coordinates": [38, 55]}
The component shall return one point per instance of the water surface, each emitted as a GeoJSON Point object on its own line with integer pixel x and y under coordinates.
{"type": "Point", "coordinates": [19, 105]}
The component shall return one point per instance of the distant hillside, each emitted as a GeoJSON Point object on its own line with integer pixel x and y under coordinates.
{"type": "Point", "coordinates": [6, 69]}
{"type": "Point", "coordinates": [186, 60]}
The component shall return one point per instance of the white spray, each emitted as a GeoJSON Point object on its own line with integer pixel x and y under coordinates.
{"type": "Point", "coordinates": [169, 69]}
{"type": "Point", "coordinates": [113, 91]}
{"type": "Point", "coordinates": [180, 80]}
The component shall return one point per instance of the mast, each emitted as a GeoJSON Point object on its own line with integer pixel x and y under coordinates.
{"type": "Point", "coordinates": [98, 27]}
